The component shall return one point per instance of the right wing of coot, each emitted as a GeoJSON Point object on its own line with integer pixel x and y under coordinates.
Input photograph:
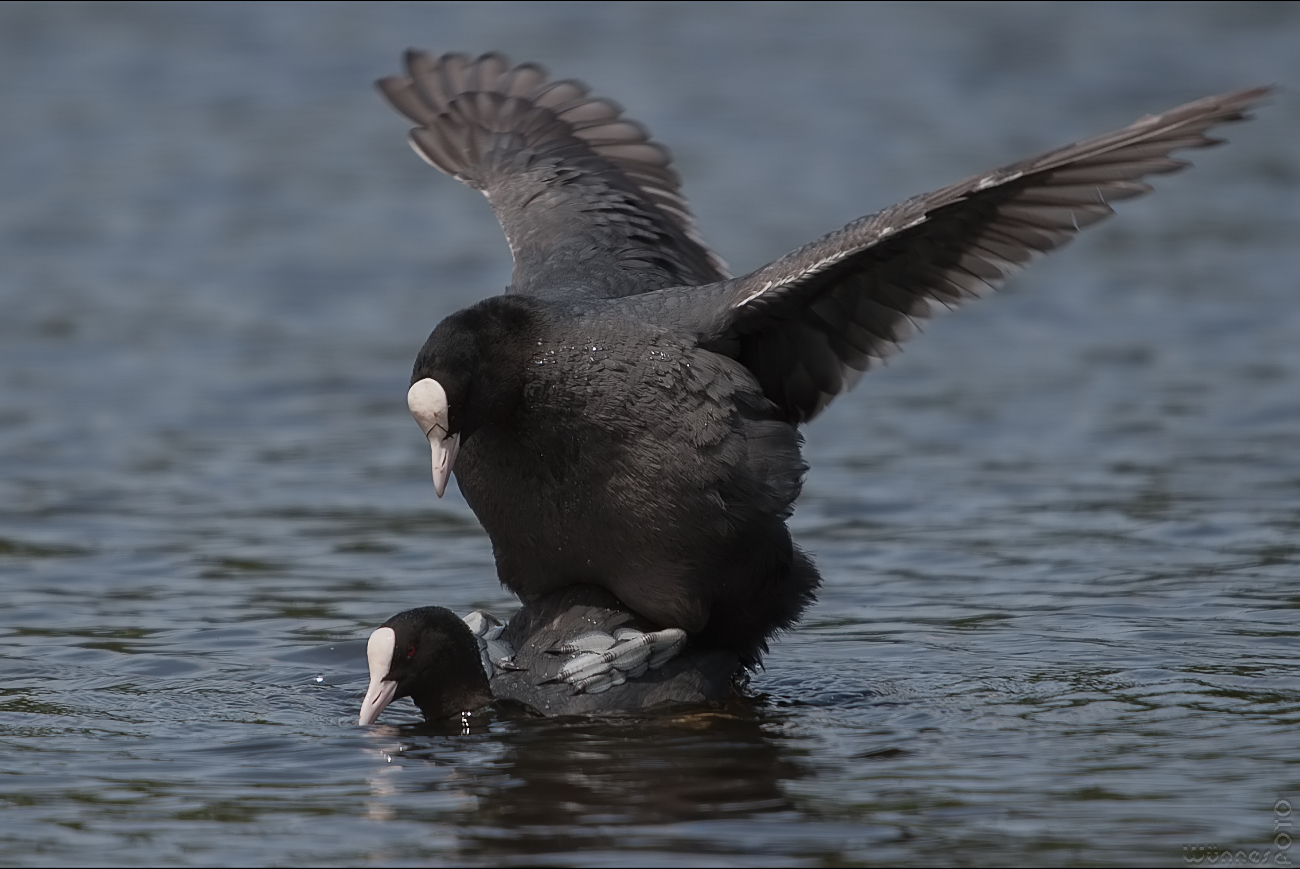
{"type": "Point", "coordinates": [809, 324]}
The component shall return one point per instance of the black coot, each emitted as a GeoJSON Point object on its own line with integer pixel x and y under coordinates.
{"type": "Point", "coordinates": [572, 652]}
{"type": "Point", "coordinates": [626, 415]}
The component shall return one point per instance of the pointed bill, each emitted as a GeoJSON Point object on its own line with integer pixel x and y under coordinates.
{"type": "Point", "coordinates": [428, 403]}
{"type": "Point", "coordinates": [379, 656]}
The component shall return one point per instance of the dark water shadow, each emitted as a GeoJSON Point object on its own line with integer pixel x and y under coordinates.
{"type": "Point", "coordinates": [563, 786]}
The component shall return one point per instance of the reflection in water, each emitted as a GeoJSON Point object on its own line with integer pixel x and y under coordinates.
{"type": "Point", "coordinates": [561, 785]}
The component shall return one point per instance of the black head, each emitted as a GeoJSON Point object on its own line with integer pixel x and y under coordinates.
{"type": "Point", "coordinates": [429, 655]}
{"type": "Point", "coordinates": [470, 373]}
{"type": "Point", "coordinates": [479, 356]}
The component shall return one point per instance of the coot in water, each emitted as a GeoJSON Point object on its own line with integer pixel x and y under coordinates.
{"type": "Point", "coordinates": [626, 415]}
{"type": "Point", "coordinates": [574, 651]}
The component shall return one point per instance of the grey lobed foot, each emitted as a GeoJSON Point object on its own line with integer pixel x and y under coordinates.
{"type": "Point", "coordinates": [600, 660]}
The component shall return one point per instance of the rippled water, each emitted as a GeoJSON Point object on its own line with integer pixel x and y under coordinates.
{"type": "Point", "coordinates": [1059, 533]}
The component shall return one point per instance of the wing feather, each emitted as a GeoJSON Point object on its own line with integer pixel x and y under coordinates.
{"type": "Point", "coordinates": [589, 203]}
{"type": "Point", "coordinates": [852, 297]}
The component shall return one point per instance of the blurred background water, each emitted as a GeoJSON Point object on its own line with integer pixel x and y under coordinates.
{"type": "Point", "coordinates": [1059, 533]}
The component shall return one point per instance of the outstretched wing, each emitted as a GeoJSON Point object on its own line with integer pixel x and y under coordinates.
{"type": "Point", "coordinates": [587, 201]}
{"type": "Point", "coordinates": [809, 324]}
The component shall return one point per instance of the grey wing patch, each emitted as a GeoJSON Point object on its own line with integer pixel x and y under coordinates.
{"type": "Point", "coordinates": [586, 198]}
{"type": "Point", "coordinates": [810, 323]}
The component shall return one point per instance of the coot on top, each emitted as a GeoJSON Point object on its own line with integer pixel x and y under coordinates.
{"type": "Point", "coordinates": [626, 415]}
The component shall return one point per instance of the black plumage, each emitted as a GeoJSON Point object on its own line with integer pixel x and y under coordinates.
{"type": "Point", "coordinates": [626, 414]}
{"type": "Point", "coordinates": [431, 656]}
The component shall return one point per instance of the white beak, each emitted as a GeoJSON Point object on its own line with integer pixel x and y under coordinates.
{"type": "Point", "coordinates": [379, 655]}
{"type": "Point", "coordinates": [428, 403]}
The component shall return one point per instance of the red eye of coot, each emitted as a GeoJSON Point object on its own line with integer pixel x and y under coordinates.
{"type": "Point", "coordinates": [410, 653]}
